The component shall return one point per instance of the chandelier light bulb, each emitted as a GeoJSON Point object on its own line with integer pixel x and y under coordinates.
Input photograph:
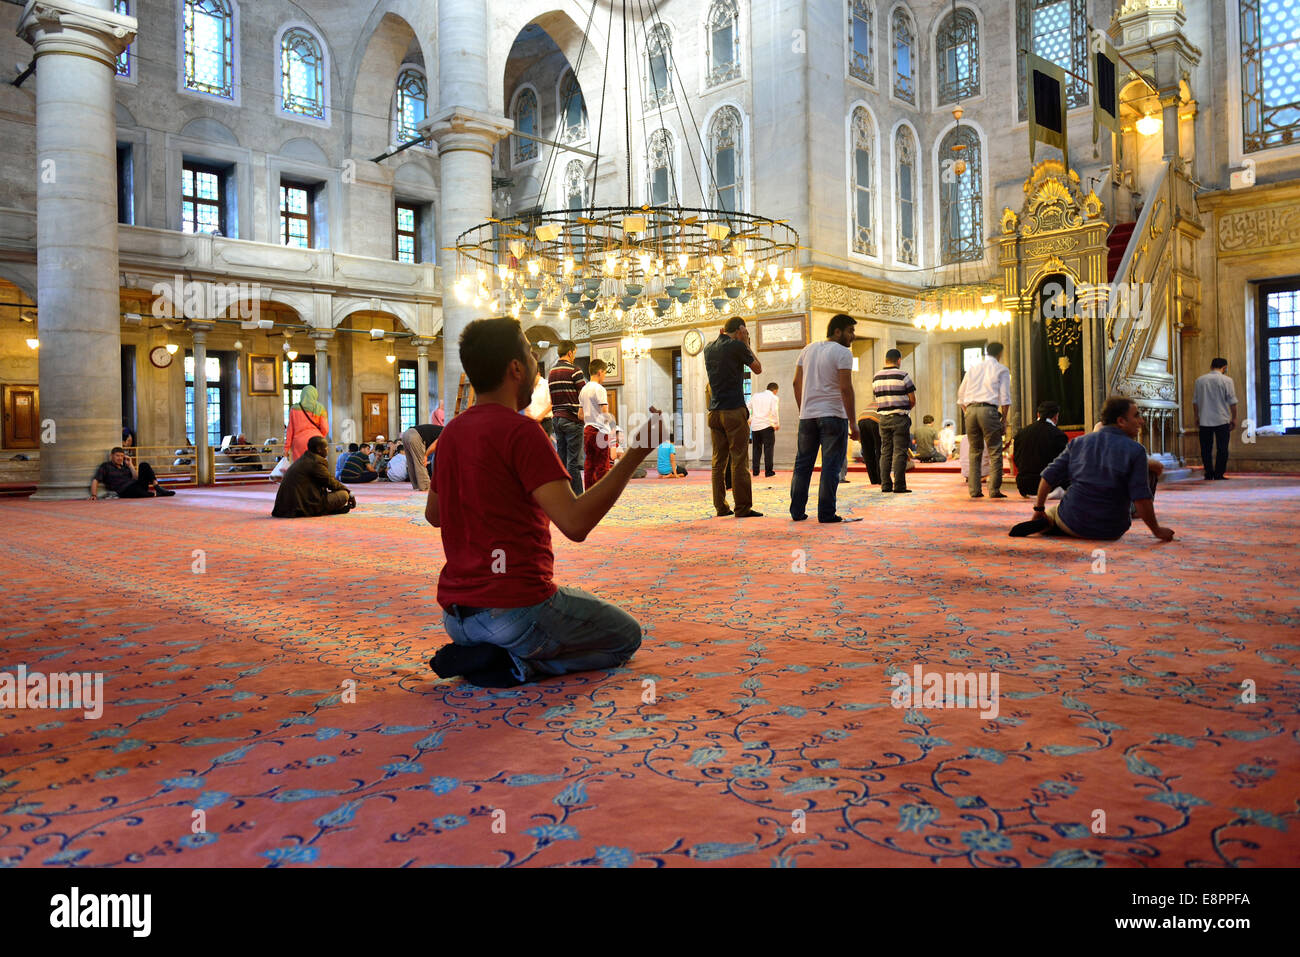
{"type": "Point", "coordinates": [33, 343]}
{"type": "Point", "coordinates": [1149, 125]}
{"type": "Point", "coordinates": [172, 348]}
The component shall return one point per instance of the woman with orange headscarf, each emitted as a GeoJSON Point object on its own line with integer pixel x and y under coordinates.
{"type": "Point", "coordinates": [306, 419]}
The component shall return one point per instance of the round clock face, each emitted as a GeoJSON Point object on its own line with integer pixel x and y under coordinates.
{"type": "Point", "coordinates": [693, 342]}
{"type": "Point", "coordinates": [160, 357]}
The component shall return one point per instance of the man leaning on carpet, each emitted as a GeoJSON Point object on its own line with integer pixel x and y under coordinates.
{"type": "Point", "coordinates": [497, 486]}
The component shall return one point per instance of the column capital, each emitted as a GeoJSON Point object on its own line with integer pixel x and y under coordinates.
{"type": "Point", "coordinates": [200, 329]}
{"type": "Point", "coordinates": [422, 346]}
{"type": "Point", "coordinates": [75, 29]}
{"type": "Point", "coordinates": [321, 337]}
{"type": "Point", "coordinates": [458, 128]}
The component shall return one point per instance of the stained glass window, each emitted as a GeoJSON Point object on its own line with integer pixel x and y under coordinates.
{"type": "Point", "coordinates": [862, 16]}
{"type": "Point", "coordinates": [407, 395]}
{"type": "Point", "coordinates": [1056, 30]}
{"type": "Point", "coordinates": [1270, 75]}
{"type": "Point", "coordinates": [659, 89]}
{"type": "Point", "coordinates": [663, 186]}
{"type": "Point", "coordinates": [302, 73]}
{"type": "Point", "coordinates": [724, 147]}
{"type": "Point", "coordinates": [1279, 388]}
{"type": "Point", "coordinates": [863, 179]}
{"type": "Point", "coordinates": [295, 216]}
{"type": "Point", "coordinates": [525, 122]}
{"type": "Point", "coordinates": [408, 237]}
{"type": "Point", "coordinates": [124, 58]}
{"type": "Point", "coordinates": [573, 110]}
{"type": "Point", "coordinates": [905, 160]}
{"type": "Point", "coordinates": [957, 53]}
{"type": "Point", "coordinates": [904, 47]}
{"type": "Point", "coordinates": [411, 104]}
{"type": "Point", "coordinates": [202, 206]}
{"type": "Point", "coordinates": [212, 367]}
{"type": "Point", "coordinates": [961, 197]}
{"type": "Point", "coordinates": [210, 47]}
{"type": "Point", "coordinates": [722, 43]}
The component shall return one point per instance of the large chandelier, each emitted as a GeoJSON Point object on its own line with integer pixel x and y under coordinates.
{"type": "Point", "coordinates": [628, 263]}
{"type": "Point", "coordinates": [629, 267]}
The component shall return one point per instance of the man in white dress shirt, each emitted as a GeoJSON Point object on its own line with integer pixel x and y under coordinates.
{"type": "Point", "coordinates": [764, 420]}
{"type": "Point", "coordinates": [1214, 401]}
{"type": "Point", "coordinates": [984, 398]}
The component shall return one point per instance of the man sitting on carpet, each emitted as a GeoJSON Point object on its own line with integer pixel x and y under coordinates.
{"type": "Point", "coordinates": [497, 485]}
{"type": "Point", "coordinates": [357, 468]}
{"type": "Point", "coordinates": [119, 476]}
{"type": "Point", "coordinates": [1106, 470]}
{"type": "Point", "coordinates": [308, 489]}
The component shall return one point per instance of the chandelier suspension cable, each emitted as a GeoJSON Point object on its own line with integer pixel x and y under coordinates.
{"type": "Point", "coordinates": [552, 160]}
{"type": "Point", "coordinates": [670, 65]}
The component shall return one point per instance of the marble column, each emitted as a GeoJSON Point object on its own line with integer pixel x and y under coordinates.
{"type": "Point", "coordinates": [321, 338]}
{"type": "Point", "coordinates": [465, 132]}
{"type": "Point", "coordinates": [77, 45]}
{"type": "Point", "coordinates": [200, 330]}
{"type": "Point", "coordinates": [422, 380]}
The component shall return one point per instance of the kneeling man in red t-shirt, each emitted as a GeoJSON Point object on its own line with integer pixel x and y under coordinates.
{"type": "Point", "coordinates": [497, 486]}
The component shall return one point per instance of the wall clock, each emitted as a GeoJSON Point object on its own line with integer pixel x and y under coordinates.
{"type": "Point", "coordinates": [160, 357]}
{"type": "Point", "coordinates": [693, 342]}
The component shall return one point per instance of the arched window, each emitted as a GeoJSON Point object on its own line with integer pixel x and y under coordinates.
{"type": "Point", "coordinates": [302, 74]}
{"type": "Point", "coordinates": [1055, 30]}
{"type": "Point", "coordinates": [725, 160]}
{"type": "Point", "coordinates": [1270, 75]}
{"type": "Point", "coordinates": [576, 200]}
{"type": "Point", "coordinates": [961, 197]}
{"type": "Point", "coordinates": [904, 56]}
{"type": "Point", "coordinates": [661, 178]}
{"type": "Point", "coordinates": [957, 55]}
{"type": "Point", "coordinates": [659, 58]}
{"type": "Point", "coordinates": [906, 191]}
{"type": "Point", "coordinates": [525, 122]}
{"type": "Point", "coordinates": [124, 58]}
{"type": "Point", "coordinates": [573, 110]}
{"type": "Point", "coordinates": [862, 16]}
{"type": "Point", "coordinates": [863, 179]}
{"type": "Point", "coordinates": [722, 43]}
{"type": "Point", "coordinates": [411, 105]}
{"type": "Point", "coordinates": [210, 47]}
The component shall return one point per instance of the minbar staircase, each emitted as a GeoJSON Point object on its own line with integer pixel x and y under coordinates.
{"type": "Point", "coordinates": [1116, 244]}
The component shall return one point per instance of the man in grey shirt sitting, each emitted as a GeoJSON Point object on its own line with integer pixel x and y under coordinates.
{"type": "Point", "coordinates": [1214, 400]}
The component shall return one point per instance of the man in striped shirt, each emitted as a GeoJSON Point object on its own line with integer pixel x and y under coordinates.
{"type": "Point", "coordinates": [895, 396]}
{"type": "Point", "coordinates": [566, 381]}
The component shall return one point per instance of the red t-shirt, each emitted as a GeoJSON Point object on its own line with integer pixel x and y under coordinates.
{"type": "Point", "coordinates": [496, 537]}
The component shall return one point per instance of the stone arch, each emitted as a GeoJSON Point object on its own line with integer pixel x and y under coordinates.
{"type": "Point", "coordinates": [404, 313]}
{"type": "Point", "coordinates": [563, 21]}
{"type": "Point", "coordinates": [388, 38]}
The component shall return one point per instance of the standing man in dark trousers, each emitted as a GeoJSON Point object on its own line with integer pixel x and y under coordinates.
{"type": "Point", "coordinates": [566, 381]}
{"type": "Point", "coordinates": [895, 396]}
{"type": "Point", "coordinates": [724, 360]}
{"type": "Point", "coordinates": [1214, 400]}
{"type": "Point", "coordinates": [984, 398]}
{"type": "Point", "coordinates": [1036, 446]}
{"type": "Point", "coordinates": [823, 393]}
{"type": "Point", "coordinates": [869, 442]}
{"type": "Point", "coordinates": [765, 411]}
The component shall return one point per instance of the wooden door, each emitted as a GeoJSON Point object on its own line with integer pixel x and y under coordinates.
{"type": "Point", "coordinates": [22, 423]}
{"type": "Point", "coordinates": [374, 415]}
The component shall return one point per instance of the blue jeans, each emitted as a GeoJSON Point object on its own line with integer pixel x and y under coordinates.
{"type": "Point", "coordinates": [830, 434]}
{"type": "Point", "coordinates": [568, 445]}
{"type": "Point", "coordinates": [573, 630]}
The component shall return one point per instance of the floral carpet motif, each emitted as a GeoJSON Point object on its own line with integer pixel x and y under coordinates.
{"type": "Point", "coordinates": [268, 701]}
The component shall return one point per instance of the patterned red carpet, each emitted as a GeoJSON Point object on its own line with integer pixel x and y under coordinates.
{"type": "Point", "coordinates": [268, 700]}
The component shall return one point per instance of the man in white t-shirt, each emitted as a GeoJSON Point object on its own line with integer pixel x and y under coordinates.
{"type": "Point", "coordinates": [1214, 403]}
{"type": "Point", "coordinates": [764, 420]}
{"type": "Point", "coordinates": [596, 432]}
{"type": "Point", "coordinates": [823, 392]}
